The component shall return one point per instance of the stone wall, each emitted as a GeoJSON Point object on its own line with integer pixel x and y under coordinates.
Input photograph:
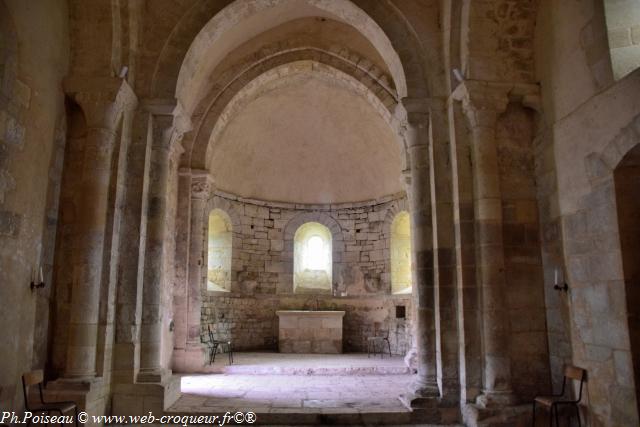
{"type": "Point", "coordinates": [523, 264]}
{"type": "Point", "coordinates": [623, 29]}
{"type": "Point", "coordinates": [591, 125]}
{"type": "Point", "coordinates": [33, 59]}
{"type": "Point", "coordinates": [262, 272]}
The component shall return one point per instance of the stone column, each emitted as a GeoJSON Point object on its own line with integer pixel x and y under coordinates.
{"type": "Point", "coordinates": [102, 102]}
{"type": "Point", "coordinates": [202, 188]}
{"type": "Point", "coordinates": [483, 103]}
{"type": "Point", "coordinates": [444, 256]}
{"type": "Point", "coordinates": [417, 142]}
{"type": "Point", "coordinates": [167, 131]}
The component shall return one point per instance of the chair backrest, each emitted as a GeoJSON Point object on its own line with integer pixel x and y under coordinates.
{"type": "Point", "coordinates": [29, 379]}
{"type": "Point", "coordinates": [574, 373]}
{"type": "Point", "coordinates": [577, 374]}
{"type": "Point", "coordinates": [33, 377]}
{"type": "Point", "coordinates": [379, 332]}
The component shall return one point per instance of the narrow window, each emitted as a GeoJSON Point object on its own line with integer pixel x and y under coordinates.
{"type": "Point", "coordinates": [401, 254]}
{"type": "Point", "coordinates": [312, 258]}
{"type": "Point", "coordinates": [219, 252]}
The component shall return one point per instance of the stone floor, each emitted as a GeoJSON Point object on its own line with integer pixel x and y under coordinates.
{"type": "Point", "coordinates": [301, 389]}
{"type": "Point", "coordinates": [257, 363]}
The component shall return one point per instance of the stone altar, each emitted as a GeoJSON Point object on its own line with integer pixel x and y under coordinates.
{"type": "Point", "coordinates": [303, 331]}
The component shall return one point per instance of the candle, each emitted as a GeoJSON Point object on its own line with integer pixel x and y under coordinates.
{"type": "Point", "coordinates": [41, 276]}
{"type": "Point", "coordinates": [556, 278]}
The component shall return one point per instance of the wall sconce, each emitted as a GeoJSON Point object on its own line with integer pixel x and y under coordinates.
{"type": "Point", "coordinates": [557, 286]}
{"type": "Point", "coordinates": [37, 282]}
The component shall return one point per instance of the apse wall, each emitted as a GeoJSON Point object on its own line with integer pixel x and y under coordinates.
{"type": "Point", "coordinates": [262, 272]}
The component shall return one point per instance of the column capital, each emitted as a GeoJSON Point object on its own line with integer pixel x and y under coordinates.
{"type": "Point", "coordinates": [102, 99]}
{"type": "Point", "coordinates": [171, 120]}
{"type": "Point", "coordinates": [417, 111]}
{"type": "Point", "coordinates": [202, 185]}
{"type": "Point", "coordinates": [484, 101]}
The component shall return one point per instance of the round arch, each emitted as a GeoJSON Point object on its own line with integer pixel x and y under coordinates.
{"type": "Point", "coordinates": [385, 20]}
{"type": "Point", "coordinates": [242, 20]}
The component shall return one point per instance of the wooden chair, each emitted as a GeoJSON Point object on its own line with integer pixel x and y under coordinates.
{"type": "Point", "coordinates": [552, 402]}
{"type": "Point", "coordinates": [377, 340]}
{"type": "Point", "coordinates": [36, 378]}
{"type": "Point", "coordinates": [214, 344]}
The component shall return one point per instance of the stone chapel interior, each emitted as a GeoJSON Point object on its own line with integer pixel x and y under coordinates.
{"type": "Point", "coordinates": [322, 211]}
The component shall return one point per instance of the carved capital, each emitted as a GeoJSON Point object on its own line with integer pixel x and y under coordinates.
{"type": "Point", "coordinates": [170, 123]}
{"type": "Point", "coordinates": [102, 99]}
{"type": "Point", "coordinates": [202, 186]}
{"type": "Point", "coordinates": [484, 101]}
{"type": "Point", "coordinates": [417, 111]}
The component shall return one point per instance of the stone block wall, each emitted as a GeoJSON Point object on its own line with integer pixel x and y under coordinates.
{"type": "Point", "coordinates": [262, 272]}
{"type": "Point", "coordinates": [623, 31]}
{"type": "Point", "coordinates": [523, 263]}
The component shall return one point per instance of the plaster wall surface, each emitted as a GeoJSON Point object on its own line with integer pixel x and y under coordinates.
{"type": "Point", "coordinates": [314, 134]}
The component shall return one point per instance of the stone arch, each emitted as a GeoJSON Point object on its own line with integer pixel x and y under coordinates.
{"type": "Point", "coordinates": [164, 72]}
{"type": "Point", "coordinates": [217, 202]}
{"type": "Point", "coordinates": [226, 27]}
{"type": "Point", "coordinates": [292, 226]}
{"type": "Point", "coordinates": [221, 110]}
{"type": "Point", "coordinates": [398, 206]}
{"type": "Point", "coordinates": [600, 166]}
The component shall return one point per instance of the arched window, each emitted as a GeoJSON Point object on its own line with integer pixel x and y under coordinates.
{"type": "Point", "coordinates": [401, 254]}
{"type": "Point", "coordinates": [219, 252]}
{"type": "Point", "coordinates": [312, 258]}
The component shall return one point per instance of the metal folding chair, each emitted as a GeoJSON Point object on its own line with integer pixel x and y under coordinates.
{"type": "Point", "coordinates": [552, 402]}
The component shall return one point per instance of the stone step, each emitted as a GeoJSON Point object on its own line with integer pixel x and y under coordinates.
{"type": "Point", "coordinates": [310, 370]}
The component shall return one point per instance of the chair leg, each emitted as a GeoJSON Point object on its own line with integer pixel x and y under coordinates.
{"type": "Point", "coordinates": [533, 423]}
{"type": "Point", "coordinates": [76, 418]}
{"type": "Point", "coordinates": [557, 419]}
{"type": "Point", "coordinates": [551, 417]}
{"type": "Point", "coordinates": [389, 345]}
{"type": "Point", "coordinates": [578, 414]}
